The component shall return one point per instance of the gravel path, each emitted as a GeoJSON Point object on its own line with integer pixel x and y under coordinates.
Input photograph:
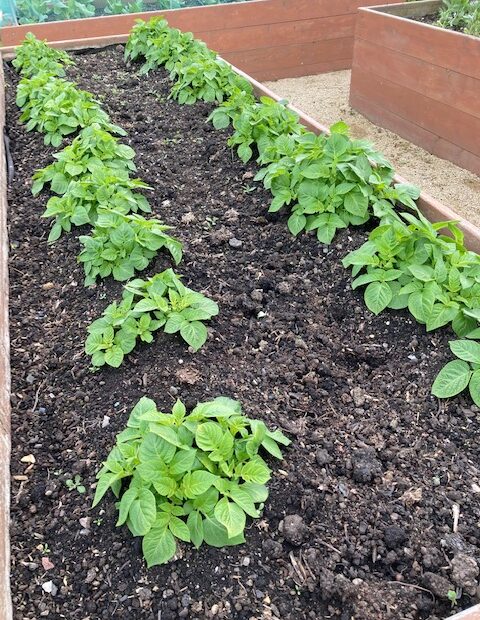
{"type": "Point", "coordinates": [325, 98]}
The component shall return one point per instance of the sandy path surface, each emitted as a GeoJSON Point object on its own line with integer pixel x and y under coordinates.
{"type": "Point", "coordinates": [325, 98]}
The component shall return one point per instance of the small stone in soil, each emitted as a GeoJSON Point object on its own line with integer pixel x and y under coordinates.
{"type": "Point", "coordinates": [235, 243]}
{"type": "Point", "coordinates": [365, 466]}
{"type": "Point", "coordinates": [293, 529]}
{"type": "Point", "coordinates": [394, 536]}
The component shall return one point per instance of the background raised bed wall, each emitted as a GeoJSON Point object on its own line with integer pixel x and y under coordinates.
{"type": "Point", "coordinates": [420, 81]}
{"type": "Point", "coordinates": [269, 39]}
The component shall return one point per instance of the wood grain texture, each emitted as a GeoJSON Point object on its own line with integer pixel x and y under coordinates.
{"type": "Point", "coordinates": [284, 33]}
{"type": "Point", "coordinates": [5, 596]}
{"type": "Point", "coordinates": [421, 82]}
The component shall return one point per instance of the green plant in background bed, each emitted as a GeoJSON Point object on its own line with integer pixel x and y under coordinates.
{"type": "Point", "coordinates": [57, 108]}
{"type": "Point", "coordinates": [35, 56]}
{"type": "Point", "coordinates": [34, 11]}
{"type": "Point", "coordinates": [118, 7]}
{"type": "Point", "coordinates": [460, 15]}
{"type": "Point", "coordinates": [102, 189]}
{"type": "Point", "coordinates": [122, 244]}
{"type": "Point", "coordinates": [189, 476]}
{"type": "Point", "coordinates": [461, 373]}
{"type": "Point", "coordinates": [93, 150]}
{"type": "Point", "coordinates": [409, 264]}
{"type": "Point", "coordinates": [146, 306]}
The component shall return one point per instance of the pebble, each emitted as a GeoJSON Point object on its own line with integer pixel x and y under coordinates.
{"type": "Point", "coordinates": [365, 466]}
{"type": "Point", "coordinates": [50, 588]}
{"type": "Point", "coordinates": [235, 243]}
{"type": "Point", "coordinates": [323, 457]}
{"type": "Point", "coordinates": [105, 421]}
{"type": "Point", "coordinates": [437, 584]}
{"type": "Point", "coordinates": [465, 572]}
{"type": "Point", "coordinates": [358, 396]}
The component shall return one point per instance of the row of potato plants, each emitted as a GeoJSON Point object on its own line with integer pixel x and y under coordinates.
{"type": "Point", "coordinates": [330, 182]}
{"type": "Point", "coordinates": [191, 477]}
{"type": "Point", "coordinates": [93, 185]}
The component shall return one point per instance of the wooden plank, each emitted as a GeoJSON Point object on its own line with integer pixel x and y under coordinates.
{"type": "Point", "coordinates": [449, 87]}
{"type": "Point", "coordinates": [443, 120]}
{"type": "Point", "coordinates": [414, 133]}
{"type": "Point", "coordinates": [236, 15]}
{"type": "Point", "coordinates": [266, 75]}
{"type": "Point", "coordinates": [419, 8]}
{"type": "Point", "coordinates": [5, 596]}
{"type": "Point", "coordinates": [437, 46]}
{"type": "Point", "coordinates": [292, 55]}
{"type": "Point", "coordinates": [272, 35]}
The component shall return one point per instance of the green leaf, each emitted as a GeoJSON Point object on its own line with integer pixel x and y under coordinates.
{"type": "Point", "coordinates": [179, 529]}
{"type": "Point", "coordinates": [158, 545]}
{"type": "Point", "coordinates": [114, 356]}
{"type": "Point", "coordinates": [256, 471]}
{"type": "Point", "coordinates": [197, 483]}
{"type": "Point", "coordinates": [242, 497]}
{"type": "Point", "coordinates": [474, 387]}
{"type": "Point", "coordinates": [182, 461]}
{"type": "Point", "coordinates": [452, 379]}
{"type": "Point", "coordinates": [155, 447]}
{"type": "Point", "coordinates": [142, 512]}
{"type": "Point", "coordinates": [195, 334]}
{"type": "Point", "coordinates": [216, 534]}
{"type": "Point", "coordinates": [209, 436]}
{"type": "Point", "coordinates": [467, 350]}
{"type": "Point", "coordinates": [420, 304]}
{"type": "Point", "coordinates": [296, 223]}
{"type": "Point", "coordinates": [125, 503]}
{"type": "Point", "coordinates": [377, 296]}
{"type": "Point", "coordinates": [258, 492]}
{"type": "Point", "coordinates": [105, 481]}
{"type": "Point", "coordinates": [441, 315]}
{"type": "Point", "coordinates": [166, 432]}
{"type": "Point", "coordinates": [231, 516]}
{"type": "Point", "coordinates": [195, 526]}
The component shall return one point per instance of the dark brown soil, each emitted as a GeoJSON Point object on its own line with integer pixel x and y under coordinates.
{"type": "Point", "coordinates": [376, 466]}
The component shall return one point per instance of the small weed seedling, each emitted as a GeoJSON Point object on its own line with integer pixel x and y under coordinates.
{"type": "Point", "coordinates": [192, 476]}
{"type": "Point", "coordinates": [75, 484]}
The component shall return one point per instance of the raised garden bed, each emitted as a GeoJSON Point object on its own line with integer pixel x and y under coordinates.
{"type": "Point", "coordinates": [377, 465]}
{"type": "Point", "coordinates": [419, 80]}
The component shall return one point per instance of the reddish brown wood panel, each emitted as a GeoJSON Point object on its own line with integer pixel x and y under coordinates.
{"type": "Point", "coordinates": [420, 82]}
{"type": "Point", "coordinates": [437, 46]}
{"type": "Point", "coordinates": [446, 86]}
{"type": "Point", "coordinates": [242, 32]}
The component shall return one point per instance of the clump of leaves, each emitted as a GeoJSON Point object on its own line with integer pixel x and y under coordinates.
{"type": "Point", "coordinates": [189, 476]}
{"type": "Point", "coordinates": [330, 182]}
{"type": "Point", "coordinates": [34, 56]}
{"type": "Point", "coordinates": [148, 305]}
{"type": "Point", "coordinates": [57, 108]}
{"type": "Point", "coordinates": [159, 45]}
{"type": "Point", "coordinates": [461, 373]}
{"type": "Point", "coordinates": [93, 150]}
{"type": "Point", "coordinates": [104, 188]}
{"type": "Point", "coordinates": [461, 15]}
{"type": "Point", "coordinates": [119, 7]}
{"type": "Point", "coordinates": [408, 263]}
{"type": "Point", "coordinates": [206, 79]}
{"type": "Point", "coordinates": [122, 244]}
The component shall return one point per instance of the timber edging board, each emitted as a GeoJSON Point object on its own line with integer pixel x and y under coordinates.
{"type": "Point", "coordinates": [5, 596]}
{"type": "Point", "coordinates": [431, 208]}
{"type": "Point", "coordinates": [418, 80]}
{"type": "Point", "coordinates": [269, 39]}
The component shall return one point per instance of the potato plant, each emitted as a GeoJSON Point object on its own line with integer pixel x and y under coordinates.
{"type": "Point", "coordinates": [461, 373]}
{"type": "Point", "coordinates": [57, 108]}
{"type": "Point", "coordinates": [93, 150]}
{"type": "Point", "coordinates": [148, 305]}
{"type": "Point", "coordinates": [35, 56]}
{"type": "Point", "coordinates": [189, 476]}
{"type": "Point", "coordinates": [408, 263]}
{"type": "Point", "coordinates": [120, 245]}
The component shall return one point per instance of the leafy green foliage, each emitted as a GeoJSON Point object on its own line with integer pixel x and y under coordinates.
{"type": "Point", "coordinates": [58, 108]}
{"type": "Point", "coordinates": [119, 7]}
{"type": "Point", "coordinates": [206, 79]}
{"type": "Point", "coordinates": [102, 189]}
{"type": "Point", "coordinates": [461, 15]}
{"type": "Point", "coordinates": [34, 56]}
{"type": "Point", "coordinates": [122, 244]}
{"type": "Point", "coordinates": [409, 264]}
{"type": "Point", "coordinates": [146, 306]}
{"type": "Point", "coordinates": [189, 476]}
{"type": "Point", "coordinates": [330, 182]}
{"type": "Point", "coordinates": [34, 11]}
{"type": "Point", "coordinates": [93, 150]}
{"type": "Point", "coordinates": [256, 124]}
{"type": "Point", "coordinates": [461, 373]}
